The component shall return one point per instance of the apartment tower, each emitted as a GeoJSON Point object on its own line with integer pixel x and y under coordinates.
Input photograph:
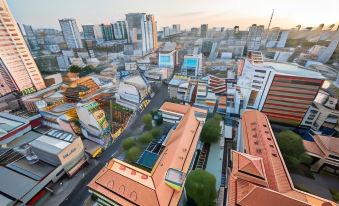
{"type": "Point", "coordinates": [71, 33]}
{"type": "Point", "coordinates": [18, 70]}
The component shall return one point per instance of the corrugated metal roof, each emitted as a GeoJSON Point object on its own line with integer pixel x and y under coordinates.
{"type": "Point", "coordinates": [36, 171]}
{"type": "Point", "coordinates": [15, 184]}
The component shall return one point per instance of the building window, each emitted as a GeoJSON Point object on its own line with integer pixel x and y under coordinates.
{"type": "Point", "coordinates": [261, 71]}
{"type": "Point", "coordinates": [257, 82]}
{"type": "Point", "coordinates": [252, 98]}
{"type": "Point", "coordinates": [257, 76]}
{"type": "Point", "coordinates": [256, 87]}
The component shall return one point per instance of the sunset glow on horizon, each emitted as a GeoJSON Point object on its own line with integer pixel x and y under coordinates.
{"type": "Point", "coordinates": [188, 13]}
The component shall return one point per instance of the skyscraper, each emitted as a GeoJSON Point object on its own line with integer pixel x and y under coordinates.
{"type": "Point", "coordinates": [276, 38]}
{"type": "Point", "coordinates": [255, 34]}
{"type": "Point", "coordinates": [327, 54]}
{"type": "Point", "coordinates": [107, 32]}
{"type": "Point", "coordinates": [71, 33]}
{"type": "Point", "coordinates": [176, 28]}
{"type": "Point", "coordinates": [142, 30]}
{"type": "Point", "coordinates": [18, 70]}
{"type": "Point", "coordinates": [203, 30]}
{"type": "Point", "coordinates": [31, 38]}
{"type": "Point", "coordinates": [120, 30]}
{"type": "Point", "coordinates": [166, 31]}
{"type": "Point", "coordinates": [92, 32]}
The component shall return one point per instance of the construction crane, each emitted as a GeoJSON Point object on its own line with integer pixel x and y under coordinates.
{"type": "Point", "coordinates": [268, 28]}
{"type": "Point", "coordinates": [269, 24]}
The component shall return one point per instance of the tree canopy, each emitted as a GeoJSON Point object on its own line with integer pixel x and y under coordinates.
{"type": "Point", "coordinates": [156, 132]}
{"type": "Point", "coordinates": [77, 69]}
{"type": "Point", "coordinates": [292, 148]}
{"type": "Point", "coordinates": [133, 154]}
{"type": "Point", "coordinates": [211, 131]}
{"type": "Point", "coordinates": [74, 69]}
{"type": "Point", "coordinates": [201, 187]}
{"type": "Point", "coordinates": [146, 137]}
{"type": "Point", "coordinates": [147, 120]}
{"type": "Point", "coordinates": [128, 143]}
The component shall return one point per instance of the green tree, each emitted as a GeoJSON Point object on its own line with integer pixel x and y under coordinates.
{"type": "Point", "coordinates": [200, 187]}
{"type": "Point", "coordinates": [128, 143]}
{"type": "Point", "coordinates": [133, 154]}
{"type": "Point", "coordinates": [88, 68]}
{"type": "Point", "coordinates": [217, 117]}
{"type": "Point", "coordinates": [211, 131]}
{"type": "Point", "coordinates": [292, 148]}
{"type": "Point", "coordinates": [156, 132]}
{"type": "Point", "coordinates": [145, 138]}
{"type": "Point", "coordinates": [147, 120]}
{"type": "Point", "coordinates": [74, 69]}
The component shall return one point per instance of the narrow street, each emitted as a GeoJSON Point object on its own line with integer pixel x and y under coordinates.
{"type": "Point", "coordinates": [80, 193]}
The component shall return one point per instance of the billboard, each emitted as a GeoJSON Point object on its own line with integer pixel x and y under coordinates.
{"type": "Point", "coordinates": [98, 114]}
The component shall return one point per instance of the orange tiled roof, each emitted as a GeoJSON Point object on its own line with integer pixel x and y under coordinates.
{"type": "Point", "coordinates": [175, 108]}
{"type": "Point", "coordinates": [312, 147]}
{"type": "Point", "coordinates": [128, 185]}
{"type": "Point", "coordinates": [327, 144]}
{"type": "Point", "coordinates": [260, 177]}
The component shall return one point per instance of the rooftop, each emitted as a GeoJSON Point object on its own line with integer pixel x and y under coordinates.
{"type": "Point", "coordinates": [128, 185]}
{"type": "Point", "coordinates": [323, 146]}
{"type": "Point", "coordinates": [293, 70]}
{"type": "Point", "coordinates": [14, 184]}
{"type": "Point", "coordinates": [260, 174]}
{"type": "Point", "coordinates": [9, 123]}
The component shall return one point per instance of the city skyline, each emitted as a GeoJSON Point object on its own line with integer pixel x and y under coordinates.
{"type": "Point", "coordinates": [217, 13]}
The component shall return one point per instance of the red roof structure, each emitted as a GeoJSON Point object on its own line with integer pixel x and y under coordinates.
{"type": "Point", "coordinates": [125, 184]}
{"type": "Point", "coordinates": [259, 175]}
{"type": "Point", "coordinates": [325, 149]}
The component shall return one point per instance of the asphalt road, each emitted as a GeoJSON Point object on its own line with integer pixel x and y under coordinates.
{"type": "Point", "coordinates": [78, 196]}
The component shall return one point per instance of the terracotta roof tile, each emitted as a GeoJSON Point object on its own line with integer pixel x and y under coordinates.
{"type": "Point", "coordinates": [312, 147]}
{"type": "Point", "coordinates": [327, 144]}
{"type": "Point", "coordinates": [246, 185]}
{"type": "Point", "coordinates": [251, 164]}
{"type": "Point", "coordinates": [125, 183]}
{"type": "Point", "coordinates": [176, 108]}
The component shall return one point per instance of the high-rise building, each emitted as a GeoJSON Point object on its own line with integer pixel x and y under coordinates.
{"type": "Point", "coordinates": [203, 30]}
{"type": "Point", "coordinates": [107, 32]}
{"type": "Point", "coordinates": [31, 38]}
{"type": "Point", "coordinates": [149, 34]}
{"type": "Point", "coordinates": [167, 31]}
{"type": "Point", "coordinates": [327, 54]}
{"type": "Point", "coordinates": [255, 34]}
{"type": "Point", "coordinates": [18, 70]}
{"type": "Point", "coordinates": [282, 91]}
{"type": "Point", "coordinates": [71, 33]}
{"type": "Point", "coordinates": [120, 30]}
{"type": "Point", "coordinates": [142, 29]}
{"type": "Point", "coordinates": [92, 32]}
{"type": "Point", "coordinates": [88, 31]}
{"type": "Point", "coordinates": [276, 38]}
{"type": "Point", "coordinates": [176, 28]}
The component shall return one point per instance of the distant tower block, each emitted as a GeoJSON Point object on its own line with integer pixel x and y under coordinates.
{"type": "Point", "coordinates": [326, 55]}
